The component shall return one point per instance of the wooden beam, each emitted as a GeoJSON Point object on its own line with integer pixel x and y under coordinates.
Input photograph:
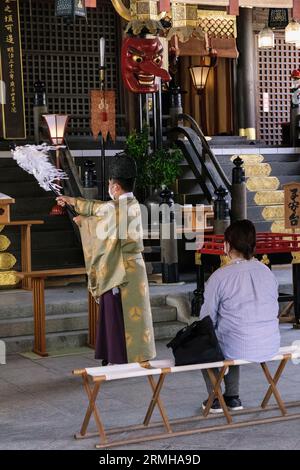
{"type": "Point", "coordinates": [233, 7]}
{"type": "Point", "coordinates": [296, 9]}
{"type": "Point", "coordinates": [91, 3]}
{"type": "Point", "coordinates": [164, 5]}
{"type": "Point", "coordinates": [245, 3]}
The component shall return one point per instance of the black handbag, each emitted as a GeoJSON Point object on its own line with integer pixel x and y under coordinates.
{"type": "Point", "coordinates": [196, 344]}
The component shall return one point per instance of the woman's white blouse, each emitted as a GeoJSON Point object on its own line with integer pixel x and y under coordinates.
{"type": "Point", "coordinates": [242, 300]}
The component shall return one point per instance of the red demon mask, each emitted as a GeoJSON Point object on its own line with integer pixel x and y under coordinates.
{"type": "Point", "coordinates": [141, 63]}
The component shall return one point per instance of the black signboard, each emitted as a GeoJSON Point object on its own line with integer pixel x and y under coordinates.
{"type": "Point", "coordinates": [278, 18]}
{"type": "Point", "coordinates": [12, 96]}
{"type": "Point", "coordinates": [70, 8]}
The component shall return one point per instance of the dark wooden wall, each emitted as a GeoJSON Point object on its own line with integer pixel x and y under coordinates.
{"type": "Point", "coordinates": [66, 57]}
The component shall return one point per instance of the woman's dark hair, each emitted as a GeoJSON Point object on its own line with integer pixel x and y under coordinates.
{"type": "Point", "coordinates": [241, 236]}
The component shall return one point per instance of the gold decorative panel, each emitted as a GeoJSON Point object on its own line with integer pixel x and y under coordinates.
{"type": "Point", "coordinates": [273, 212]}
{"type": "Point", "coordinates": [278, 227]}
{"type": "Point", "coordinates": [9, 279]}
{"type": "Point", "coordinates": [257, 169]}
{"type": "Point", "coordinates": [263, 198]}
{"type": "Point", "coordinates": [1, 227]}
{"type": "Point", "coordinates": [262, 183]}
{"type": "Point", "coordinates": [184, 15]}
{"type": "Point", "coordinates": [4, 243]}
{"type": "Point", "coordinates": [143, 10]}
{"type": "Point", "coordinates": [7, 261]}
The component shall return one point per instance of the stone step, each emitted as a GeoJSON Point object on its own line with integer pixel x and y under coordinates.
{"type": "Point", "coordinates": [43, 240]}
{"type": "Point", "coordinates": [189, 186]}
{"type": "Point", "coordinates": [14, 174]}
{"type": "Point", "coordinates": [273, 169]}
{"type": "Point", "coordinates": [187, 198]}
{"type": "Point", "coordinates": [265, 213]}
{"type": "Point", "coordinates": [22, 189]}
{"type": "Point", "coordinates": [57, 258]}
{"type": "Point", "coordinates": [262, 226]}
{"type": "Point", "coordinates": [68, 322]}
{"type": "Point", "coordinates": [167, 330]}
{"type": "Point", "coordinates": [264, 198]}
{"type": "Point", "coordinates": [54, 341]}
{"type": "Point", "coordinates": [75, 303]}
{"type": "Point", "coordinates": [51, 223]}
{"type": "Point", "coordinates": [153, 267]}
{"type": "Point", "coordinates": [266, 157]}
{"type": "Point", "coordinates": [7, 163]}
{"type": "Point", "coordinates": [74, 339]}
{"type": "Point", "coordinates": [33, 207]}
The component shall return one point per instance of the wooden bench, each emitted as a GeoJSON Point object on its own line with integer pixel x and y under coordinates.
{"type": "Point", "coordinates": [39, 307]}
{"type": "Point", "coordinates": [95, 377]}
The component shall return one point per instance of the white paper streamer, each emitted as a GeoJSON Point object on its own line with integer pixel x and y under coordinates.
{"type": "Point", "coordinates": [35, 160]}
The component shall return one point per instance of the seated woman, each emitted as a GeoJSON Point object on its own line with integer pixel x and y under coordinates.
{"type": "Point", "coordinates": [242, 300]}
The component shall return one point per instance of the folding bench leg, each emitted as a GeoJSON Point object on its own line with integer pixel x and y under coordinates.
{"type": "Point", "coordinates": [92, 394]}
{"type": "Point", "coordinates": [273, 382]}
{"type": "Point", "coordinates": [217, 392]}
{"type": "Point", "coordinates": [156, 400]}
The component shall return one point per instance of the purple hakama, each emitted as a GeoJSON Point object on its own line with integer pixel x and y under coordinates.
{"type": "Point", "coordinates": [110, 336]}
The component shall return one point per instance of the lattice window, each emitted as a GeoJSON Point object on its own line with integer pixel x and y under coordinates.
{"type": "Point", "coordinates": [66, 57]}
{"type": "Point", "coordinates": [217, 24]}
{"type": "Point", "coordinates": [274, 67]}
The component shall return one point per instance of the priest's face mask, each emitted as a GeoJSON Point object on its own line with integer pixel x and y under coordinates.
{"type": "Point", "coordinates": [141, 63]}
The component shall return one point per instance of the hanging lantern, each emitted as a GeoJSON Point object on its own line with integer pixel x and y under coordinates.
{"type": "Point", "coordinates": [266, 38]}
{"type": "Point", "coordinates": [292, 32]}
{"type": "Point", "coordinates": [57, 127]}
{"type": "Point", "coordinates": [199, 73]}
{"type": "Point", "coordinates": [69, 9]}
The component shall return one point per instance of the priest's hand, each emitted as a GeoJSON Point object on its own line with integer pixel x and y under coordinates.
{"type": "Point", "coordinates": [77, 220]}
{"type": "Point", "coordinates": [63, 200]}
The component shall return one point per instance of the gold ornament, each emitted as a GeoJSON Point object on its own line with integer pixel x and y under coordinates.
{"type": "Point", "coordinates": [257, 169]}
{"type": "Point", "coordinates": [265, 260]}
{"type": "Point", "coordinates": [198, 259]}
{"type": "Point", "coordinates": [7, 261]}
{"type": "Point", "coordinates": [128, 339]}
{"type": "Point", "coordinates": [273, 212]}
{"type": "Point", "coordinates": [147, 336]}
{"type": "Point", "coordinates": [4, 243]}
{"type": "Point", "coordinates": [135, 313]}
{"type": "Point", "coordinates": [263, 198]}
{"type": "Point", "coordinates": [262, 183]}
{"type": "Point", "coordinates": [224, 260]}
{"type": "Point", "coordinates": [9, 279]}
{"type": "Point", "coordinates": [296, 257]}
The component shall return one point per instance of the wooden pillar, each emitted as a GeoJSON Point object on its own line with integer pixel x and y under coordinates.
{"type": "Point", "coordinates": [38, 287]}
{"type": "Point", "coordinates": [26, 254]}
{"type": "Point", "coordinates": [245, 75]}
{"type": "Point", "coordinates": [93, 315]}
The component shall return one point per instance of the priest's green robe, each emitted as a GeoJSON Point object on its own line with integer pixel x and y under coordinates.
{"type": "Point", "coordinates": [112, 241]}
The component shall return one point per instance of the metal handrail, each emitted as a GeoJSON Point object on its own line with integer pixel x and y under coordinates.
{"type": "Point", "coordinates": [207, 150]}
